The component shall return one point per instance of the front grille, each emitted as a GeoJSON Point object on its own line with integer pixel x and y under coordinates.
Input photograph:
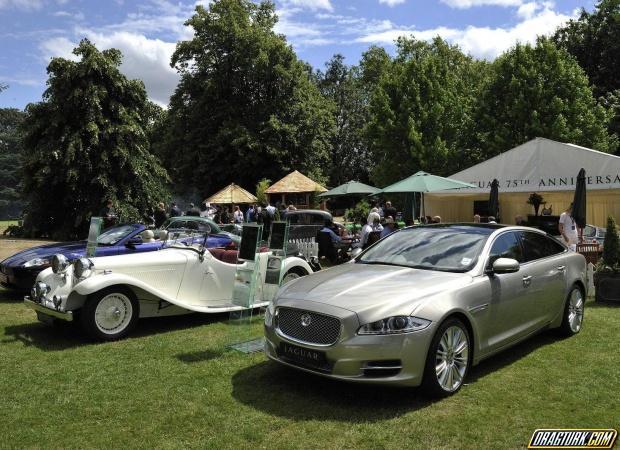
{"type": "Point", "coordinates": [322, 330]}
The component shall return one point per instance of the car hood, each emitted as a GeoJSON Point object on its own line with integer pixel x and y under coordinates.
{"type": "Point", "coordinates": [71, 250]}
{"type": "Point", "coordinates": [362, 288]}
{"type": "Point", "coordinates": [142, 262]}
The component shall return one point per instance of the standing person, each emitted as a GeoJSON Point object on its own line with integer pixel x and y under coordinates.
{"type": "Point", "coordinates": [193, 211]}
{"type": "Point", "coordinates": [108, 213]}
{"type": "Point", "coordinates": [476, 218]}
{"type": "Point", "coordinates": [249, 215]}
{"type": "Point", "coordinates": [372, 224]}
{"type": "Point", "coordinates": [175, 211]}
{"type": "Point", "coordinates": [568, 228]}
{"type": "Point", "coordinates": [271, 210]}
{"type": "Point", "coordinates": [389, 210]}
{"type": "Point", "coordinates": [267, 218]}
{"type": "Point", "coordinates": [238, 215]}
{"type": "Point", "coordinates": [389, 227]}
{"type": "Point", "coordinates": [160, 215]}
{"type": "Point", "coordinates": [491, 219]}
{"type": "Point", "coordinates": [224, 216]}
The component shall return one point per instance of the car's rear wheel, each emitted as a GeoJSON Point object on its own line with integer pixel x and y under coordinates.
{"type": "Point", "coordinates": [448, 359]}
{"type": "Point", "coordinates": [110, 314]}
{"type": "Point", "coordinates": [290, 276]}
{"type": "Point", "coordinates": [573, 312]}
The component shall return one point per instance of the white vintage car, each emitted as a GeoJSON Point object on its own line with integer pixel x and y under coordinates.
{"type": "Point", "coordinates": [108, 294]}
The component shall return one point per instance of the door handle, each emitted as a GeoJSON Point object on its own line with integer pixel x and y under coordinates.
{"type": "Point", "coordinates": [527, 280]}
{"type": "Point", "coordinates": [561, 268]}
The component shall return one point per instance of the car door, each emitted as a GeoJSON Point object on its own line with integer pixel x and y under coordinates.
{"type": "Point", "coordinates": [505, 293]}
{"type": "Point", "coordinates": [545, 266]}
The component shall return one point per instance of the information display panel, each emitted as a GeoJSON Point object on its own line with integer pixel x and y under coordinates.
{"type": "Point", "coordinates": [93, 234]}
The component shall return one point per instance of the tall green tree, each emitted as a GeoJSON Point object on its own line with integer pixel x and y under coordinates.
{"type": "Point", "coordinates": [10, 162]}
{"type": "Point", "coordinates": [350, 158]}
{"type": "Point", "coordinates": [87, 142]}
{"type": "Point", "coordinates": [421, 109]}
{"type": "Point", "coordinates": [246, 108]}
{"type": "Point", "coordinates": [540, 91]}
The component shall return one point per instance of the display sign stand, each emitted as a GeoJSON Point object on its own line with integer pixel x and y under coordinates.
{"type": "Point", "coordinates": [241, 337]}
{"type": "Point", "coordinates": [93, 234]}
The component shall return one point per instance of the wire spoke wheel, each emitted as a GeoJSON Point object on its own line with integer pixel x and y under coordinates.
{"type": "Point", "coordinates": [113, 313]}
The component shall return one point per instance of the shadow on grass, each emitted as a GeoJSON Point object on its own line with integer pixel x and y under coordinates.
{"type": "Point", "coordinates": [10, 296]}
{"type": "Point", "coordinates": [65, 335]}
{"type": "Point", "coordinates": [195, 357]}
{"type": "Point", "coordinates": [600, 304]}
{"type": "Point", "coordinates": [297, 395]}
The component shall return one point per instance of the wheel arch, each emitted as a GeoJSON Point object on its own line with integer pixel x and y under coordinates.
{"type": "Point", "coordinates": [460, 315]}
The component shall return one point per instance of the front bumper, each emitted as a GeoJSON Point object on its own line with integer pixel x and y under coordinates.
{"type": "Point", "coordinates": [389, 360]}
{"type": "Point", "coordinates": [39, 308]}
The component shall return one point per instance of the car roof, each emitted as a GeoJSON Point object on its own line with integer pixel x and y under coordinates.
{"type": "Point", "coordinates": [318, 212]}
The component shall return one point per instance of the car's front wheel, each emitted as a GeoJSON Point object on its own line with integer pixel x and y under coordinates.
{"type": "Point", "coordinates": [448, 359]}
{"type": "Point", "coordinates": [291, 275]}
{"type": "Point", "coordinates": [573, 312]}
{"type": "Point", "coordinates": [110, 314]}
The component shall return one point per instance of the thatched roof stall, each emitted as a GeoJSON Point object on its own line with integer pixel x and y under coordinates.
{"type": "Point", "coordinates": [295, 188]}
{"type": "Point", "coordinates": [231, 194]}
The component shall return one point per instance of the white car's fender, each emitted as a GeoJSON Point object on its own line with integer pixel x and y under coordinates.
{"type": "Point", "coordinates": [96, 283]}
{"type": "Point", "coordinates": [293, 262]}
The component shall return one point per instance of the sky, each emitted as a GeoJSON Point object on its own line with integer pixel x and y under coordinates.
{"type": "Point", "coordinates": [146, 31]}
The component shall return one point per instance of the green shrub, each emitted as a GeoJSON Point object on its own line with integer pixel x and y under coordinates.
{"type": "Point", "coordinates": [359, 214]}
{"type": "Point", "coordinates": [611, 249]}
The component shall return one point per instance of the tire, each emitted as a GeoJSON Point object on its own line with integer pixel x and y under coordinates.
{"type": "Point", "coordinates": [110, 314]}
{"type": "Point", "coordinates": [442, 382]}
{"type": "Point", "coordinates": [291, 275]}
{"type": "Point", "coordinates": [572, 318]}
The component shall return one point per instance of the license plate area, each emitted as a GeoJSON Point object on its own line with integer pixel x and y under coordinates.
{"type": "Point", "coordinates": [304, 357]}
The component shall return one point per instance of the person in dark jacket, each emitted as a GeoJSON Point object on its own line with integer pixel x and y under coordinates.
{"type": "Point", "coordinates": [175, 211]}
{"type": "Point", "coordinates": [193, 211]}
{"type": "Point", "coordinates": [160, 215]}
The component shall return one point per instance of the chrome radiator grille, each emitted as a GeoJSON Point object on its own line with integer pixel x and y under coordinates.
{"type": "Point", "coordinates": [307, 326]}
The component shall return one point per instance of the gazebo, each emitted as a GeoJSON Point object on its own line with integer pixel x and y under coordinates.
{"type": "Point", "coordinates": [231, 194]}
{"type": "Point", "coordinates": [295, 188]}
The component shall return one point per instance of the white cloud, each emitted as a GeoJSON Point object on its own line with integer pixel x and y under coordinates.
{"type": "Point", "coordinates": [26, 5]}
{"type": "Point", "coordinates": [311, 4]}
{"type": "Point", "coordinates": [76, 16]}
{"type": "Point", "coordinates": [527, 10]}
{"type": "Point", "coordinates": [391, 3]}
{"type": "Point", "coordinates": [481, 42]}
{"type": "Point", "coordinates": [466, 4]}
{"type": "Point", "coordinates": [144, 59]}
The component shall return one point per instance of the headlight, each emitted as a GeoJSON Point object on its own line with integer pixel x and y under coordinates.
{"type": "Point", "coordinates": [81, 267]}
{"type": "Point", "coordinates": [37, 262]}
{"type": "Point", "coordinates": [394, 325]}
{"type": "Point", "coordinates": [59, 263]}
{"type": "Point", "coordinates": [40, 289]}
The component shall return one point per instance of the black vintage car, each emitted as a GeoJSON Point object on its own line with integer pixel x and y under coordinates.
{"type": "Point", "coordinates": [305, 223]}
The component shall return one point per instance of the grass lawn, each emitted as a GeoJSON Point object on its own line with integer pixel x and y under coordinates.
{"type": "Point", "coordinates": [174, 384]}
{"type": "Point", "coordinates": [4, 224]}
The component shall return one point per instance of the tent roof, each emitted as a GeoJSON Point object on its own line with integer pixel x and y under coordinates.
{"type": "Point", "coordinates": [424, 182]}
{"type": "Point", "coordinates": [350, 188]}
{"type": "Point", "coordinates": [295, 182]}
{"type": "Point", "coordinates": [231, 194]}
{"type": "Point", "coordinates": [542, 165]}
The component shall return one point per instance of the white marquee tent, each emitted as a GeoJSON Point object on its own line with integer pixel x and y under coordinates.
{"type": "Point", "coordinates": [541, 165]}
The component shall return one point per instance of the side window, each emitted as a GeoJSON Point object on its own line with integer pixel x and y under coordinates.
{"type": "Point", "coordinates": [537, 246]}
{"type": "Point", "coordinates": [175, 224]}
{"type": "Point", "coordinates": [505, 246]}
{"type": "Point", "coordinates": [202, 226]}
{"type": "Point", "coordinates": [317, 219]}
{"type": "Point", "coordinates": [293, 219]}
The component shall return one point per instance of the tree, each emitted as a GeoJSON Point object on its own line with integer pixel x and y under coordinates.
{"type": "Point", "coordinates": [421, 109]}
{"type": "Point", "coordinates": [245, 107]}
{"type": "Point", "coordinates": [87, 142]}
{"type": "Point", "coordinates": [594, 40]}
{"type": "Point", "coordinates": [349, 156]}
{"type": "Point", "coordinates": [540, 91]}
{"type": "Point", "coordinates": [10, 162]}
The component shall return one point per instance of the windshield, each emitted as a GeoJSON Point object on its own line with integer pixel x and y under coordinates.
{"type": "Point", "coordinates": [191, 223]}
{"type": "Point", "coordinates": [112, 235]}
{"type": "Point", "coordinates": [449, 249]}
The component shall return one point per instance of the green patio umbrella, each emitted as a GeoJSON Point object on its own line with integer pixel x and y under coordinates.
{"type": "Point", "coordinates": [351, 188]}
{"type": "Point", "coordinates": [425, 182]}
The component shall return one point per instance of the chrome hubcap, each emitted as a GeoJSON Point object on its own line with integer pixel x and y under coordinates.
{"type": "Point", "coordinates": [575, 310]}
{"type": "Point", "coordinates": [113, 313]}
{"type": "Point", "coordinates": [452, 358]}
{"type": "Point", "coordinates": [290, 277]}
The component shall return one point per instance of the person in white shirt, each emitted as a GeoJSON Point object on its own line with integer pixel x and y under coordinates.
{"type": "Point", "coordinates": [238, 215]}
{"type": "Point", "coordinates": [372, 224]}
{"type": "Point", "coordinates": [568, 228]}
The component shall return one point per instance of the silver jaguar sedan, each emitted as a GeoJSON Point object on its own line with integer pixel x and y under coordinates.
{"type": "Point", "coordinates": [424, 304]}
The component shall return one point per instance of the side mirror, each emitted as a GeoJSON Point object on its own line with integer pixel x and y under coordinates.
{"type": "Point", "coordinates": [136, 240]}
{"type": "Point", "coordinates": [505, 265]}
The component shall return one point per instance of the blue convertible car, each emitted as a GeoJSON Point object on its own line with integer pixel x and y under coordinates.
{"type": "Point", "coordinates": [20, 270]}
